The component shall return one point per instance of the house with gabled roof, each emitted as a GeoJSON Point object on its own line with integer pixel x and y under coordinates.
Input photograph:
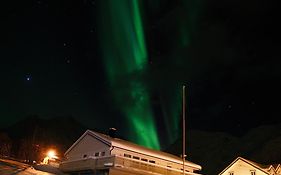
{"type": "Point", "coordinates": [278, 169]}
{"type": "Point", "coordinates": [242, 166]}
{"type": "Point", "coordinates": [96, 153]}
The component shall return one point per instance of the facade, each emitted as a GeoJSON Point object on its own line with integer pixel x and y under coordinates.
{"type": "Point", "coordinates": [242, 166]}
{"type": "Point", "coordinates": [95, 153]}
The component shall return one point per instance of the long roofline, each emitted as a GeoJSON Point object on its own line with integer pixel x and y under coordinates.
{"type": "Point", "coordinates": [244, 160]}
{"type": "Point", "coordinates": [119, 143]}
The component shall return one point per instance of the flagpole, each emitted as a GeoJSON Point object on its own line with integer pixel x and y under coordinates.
{"type": "Point", "coordinates": [183, 128]}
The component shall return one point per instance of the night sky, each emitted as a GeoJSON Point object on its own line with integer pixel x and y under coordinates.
{"type": "Point", "coordinates": [123, 63]}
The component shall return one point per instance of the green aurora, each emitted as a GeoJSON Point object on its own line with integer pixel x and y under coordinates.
{"type": "Point", "coordinates": [125, 54]}
{"type": "Point", "coordinates": [125, 59]}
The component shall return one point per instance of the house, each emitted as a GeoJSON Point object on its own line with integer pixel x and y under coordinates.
{"type": "Point", "coordinates": [96, 153]}
{"type": "Point", "coordinates": [278, 169]}
{"type": "Point", "coordinates": [242, 166]}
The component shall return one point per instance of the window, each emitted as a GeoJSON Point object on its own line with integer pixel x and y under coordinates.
{"type": "Point", "coordinates": [231, 173]}
{"type": "Point", "coordinates": [97, 154]}
{"type": "Point", "coordinates": [151, 161]}
{"type": "Point", "coordinates": [144, 160]}
{"type": "Point", "coordinates": [127, 155]}
{"type": "Point", "coordinates": [135, 157]}
{"type": "Point", "coordinates": [103, 153]}
{"type": "Point", "coordinates": [253, 172]}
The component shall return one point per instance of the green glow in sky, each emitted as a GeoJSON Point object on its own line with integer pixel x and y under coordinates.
{"type": "Point", "coordinates": [187, 25]}
{"type": "Point", "coordinates": [125, 58]}
{"type": "Point", "coordinates": [140, 51]}
{"type": "Point", "coordinates": [173, 118]}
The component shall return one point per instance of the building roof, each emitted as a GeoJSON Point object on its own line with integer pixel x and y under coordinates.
{"type": "Point", "coordinates": [263, 168]}
{"type": "Point", "coordinates": [276, 166]}
{"type": "Point", "coordinates": [119, 143]}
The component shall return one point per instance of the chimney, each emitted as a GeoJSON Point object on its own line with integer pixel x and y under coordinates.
{"type": "Point", "coordinates": [112, 132]}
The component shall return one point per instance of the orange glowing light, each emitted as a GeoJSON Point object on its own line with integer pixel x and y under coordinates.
{"type": "Point", "coordinates": [51, 154]}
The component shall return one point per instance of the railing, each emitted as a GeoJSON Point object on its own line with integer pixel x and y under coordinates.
{"type": "Point", "coordinates": [120, 164]}
{"type": "Point", "coordinates": [87, 164]}
{"type": "Point", "coordinates": [146, 167]}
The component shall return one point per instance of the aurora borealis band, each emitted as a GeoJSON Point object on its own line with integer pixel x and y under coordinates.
{"type": "Point", "coordinates": [125, 56]}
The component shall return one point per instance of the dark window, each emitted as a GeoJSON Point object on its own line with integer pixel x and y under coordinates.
{"type": "Point", "coordinates": [144, 160]}
{"type": "Point", "coordinates": [85, 155]}
{"type": "Point", "coordinates": [103, 153]}
{"type": "Point", "coordinates": [127, 155]}
{"type": "Point", "coordinates": [97, 154]}
{"type": "Point", "coordinates": [135, 157]}
{"type": "Point", "coordinates": [151, 161]}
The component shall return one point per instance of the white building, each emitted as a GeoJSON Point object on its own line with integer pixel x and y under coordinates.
{"type": "Point", "coordinates": [242, 166]}
{"type": "Point", "coordinates": [95, 153]}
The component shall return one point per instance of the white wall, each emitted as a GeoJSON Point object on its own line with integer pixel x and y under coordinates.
{"type": "Point", "coordinates": [279, 170]}
{"type": "Point", "coordinates": [88, 145]}
{"type": "Point", "coordinates": [242, 168]}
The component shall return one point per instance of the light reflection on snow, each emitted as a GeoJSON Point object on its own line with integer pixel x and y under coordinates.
{"type": "Point", "coordinates": [11, 167]}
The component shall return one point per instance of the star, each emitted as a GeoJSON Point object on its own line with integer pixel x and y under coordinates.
{"type": "Point", "coordinates": [28, 77]}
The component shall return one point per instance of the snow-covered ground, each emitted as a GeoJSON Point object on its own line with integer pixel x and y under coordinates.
{"type": "Point", "coordinates": [11, 167]}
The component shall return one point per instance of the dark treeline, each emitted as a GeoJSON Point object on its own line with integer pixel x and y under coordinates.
{"type": "Point", "coordinates": [30, 139]}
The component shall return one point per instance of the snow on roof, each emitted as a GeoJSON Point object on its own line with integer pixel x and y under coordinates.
{"type": "Point", "coordinates": [119, 143]}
